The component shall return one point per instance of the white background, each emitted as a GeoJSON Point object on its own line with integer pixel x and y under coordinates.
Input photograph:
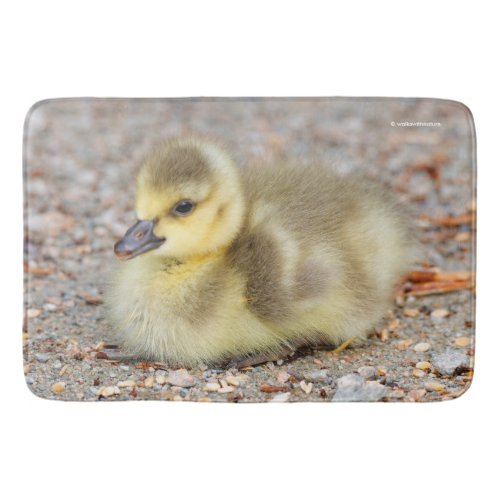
{"type": "Point", "coordinates": [229, 48]}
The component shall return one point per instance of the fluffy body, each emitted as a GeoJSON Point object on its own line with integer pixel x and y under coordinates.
{"type": "Point", "coordinates": [273, 257]}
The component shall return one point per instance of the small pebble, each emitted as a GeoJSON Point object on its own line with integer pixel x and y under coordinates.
{"type": "Point", "coordinates": [462, 341]}
{"type": "Point", "coordinates": [440, 313]}
{"type": "Point", "coordinates": [33, 313]}
{"type": "Point", "coordinates": [149, 382]}
{"type": "Point", "coordinates": [403, 344]}
{"type": "Point", "coordinates": [418, 373]}
{"type": "Point", "coordinates": [58, 387]}
{"type": "Point", "coordinates": [42, 358]}
{"type": "Point", "coordinates": [281, 398]}
{"type": "Point", "coordinates": [161, 379]}
{"type": "Point", "coordinates": [212, 387]}
{"type": "Point", "coordinates": [306, 387]}
{"type": "Point", "coordinates": [126, 383]}
{"type": "Point", "coordinates": [316, 376]}
{"type": "Point", "coordinates": [411, 313]}
{"type": "Point", "coordinates": [424, 365]}
{"type": "Point", "coordinates": [422, 347]}
{"type": "Point", "coordinates": [283, 376]}
{"type": "Point", "coordinates": [367, 372]}
{"type": "Point", "coordinates": [434, 386]}
{"type": "Point", "coordinates": [384, 334]}
{"type": "Point", "coordinates": [230, 379]}
{"type": "Point", "coordinates": [224, 390]}
{"type": "Point", "coordinates": [397, 394]}
{"type": "Point", "coordinates": [417, 394]}
{"type": "Point", "coordinates": [181, 378]}
{"type": "Point", "coordinates": [108, 391]}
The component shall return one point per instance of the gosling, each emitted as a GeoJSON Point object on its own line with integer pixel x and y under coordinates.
{"type": "Point", "coordinates": [243, 265]}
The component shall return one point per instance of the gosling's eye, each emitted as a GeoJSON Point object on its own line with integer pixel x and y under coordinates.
{"type": "Point", "coordinates": [184, 207]}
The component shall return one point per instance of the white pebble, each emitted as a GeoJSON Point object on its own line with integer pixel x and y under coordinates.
{"type": "Point", "coordinates": [149, 382]}
{"type": "Point", "coordinates": [212, 386]}
{"type": "Point", "coordinates": [126, 383]}
{"type": "Point", "coordinates": [230, 379]}
{"type": "Point", "coordinates": [306, 387]}
{"type": "Point", "coordinates": [108, 391]}
{"type": "Point", "coordinates": [281, 398]}
{"type": "Point", "coordinates": [229, 388]}
{"type": "Point", "coordinates": [422, 347]}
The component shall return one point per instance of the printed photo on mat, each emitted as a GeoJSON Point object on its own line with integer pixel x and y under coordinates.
{"type": "Point", "coordinates": [249, 250]}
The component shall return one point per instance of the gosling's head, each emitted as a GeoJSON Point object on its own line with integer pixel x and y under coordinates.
{"type": "Point", "coordinates": [189, 202]}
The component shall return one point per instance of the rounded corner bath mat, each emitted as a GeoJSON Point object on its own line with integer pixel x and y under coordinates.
{"type": "Point", "coordinates": [249, 249]}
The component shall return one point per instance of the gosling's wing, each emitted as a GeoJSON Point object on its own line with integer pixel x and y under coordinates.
{"type": "Point", "coordinates": [257, 256]}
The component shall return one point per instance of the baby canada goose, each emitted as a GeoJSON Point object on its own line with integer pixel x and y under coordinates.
{"type": "Point", "coordinates": [242, 265]}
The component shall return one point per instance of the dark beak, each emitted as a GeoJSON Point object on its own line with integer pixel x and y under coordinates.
{"type": "Point", "coordinates": [138, 239]}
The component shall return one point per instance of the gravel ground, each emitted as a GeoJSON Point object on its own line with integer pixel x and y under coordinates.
{"type": "Point", "coordinates": [81, 157]}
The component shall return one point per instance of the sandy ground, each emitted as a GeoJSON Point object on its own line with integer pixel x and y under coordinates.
{"type": "Point", "coordinates": [81, 157]}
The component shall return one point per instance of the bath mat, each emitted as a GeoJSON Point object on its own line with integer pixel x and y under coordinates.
{"type": "Point", "coordinates": [249, 249]}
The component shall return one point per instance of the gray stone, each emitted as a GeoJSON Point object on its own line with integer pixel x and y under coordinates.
{"type": "Point", "coordinates": [449, 361]}
{"type": "Point", "coordinates": [42, 358]}
{"type": "Point", "coordinates": [181, 378]}
{"type": "Point", "coordinates": [354, 388]}
{"type": "Point", "coordinates": [368, 372]}
{"type": "Point", "coordinates": [316, 375]}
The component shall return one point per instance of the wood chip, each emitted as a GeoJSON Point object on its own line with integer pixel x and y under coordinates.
{"type": "Point", "coordinates": [438, 287]}
{"type": "Point", "coordinates": [425, 276]}
{"type": "Point", "coordinates": [273, 388]}
{"type": "Point", "coordinates": [63, 370]}
{"type": "Point", "coordinates": [458, 220]}
{"type": "Point", "coordinates": [90, 299]}
{"type": "Point", "coordinates": [40, 271]}
{"type": "Point", "coordinates": [452, 221]}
